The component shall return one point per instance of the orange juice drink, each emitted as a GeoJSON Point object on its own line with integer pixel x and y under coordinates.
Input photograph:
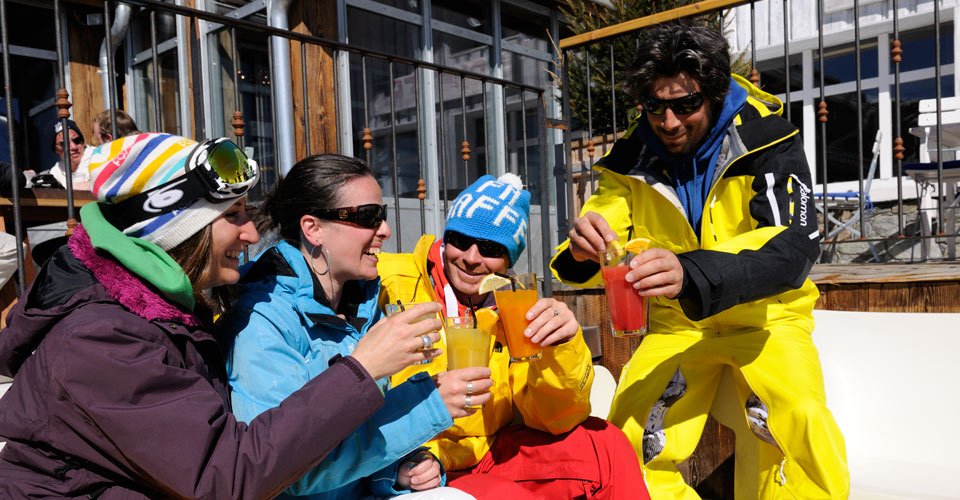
{"type": "Point", "coordinates": [513, 302]}
{"type": "Point", "coordinates": [467, 344]}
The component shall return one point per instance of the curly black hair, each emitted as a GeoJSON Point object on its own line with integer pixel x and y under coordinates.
{"type": "Point", "coordinates": [670, 48]}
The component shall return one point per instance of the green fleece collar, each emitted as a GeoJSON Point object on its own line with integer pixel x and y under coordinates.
{"type": "Point", "coordinates": [141, 257]}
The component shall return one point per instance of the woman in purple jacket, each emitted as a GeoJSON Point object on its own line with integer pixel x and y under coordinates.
{"type": "Point", "coordinates": [119, 383]}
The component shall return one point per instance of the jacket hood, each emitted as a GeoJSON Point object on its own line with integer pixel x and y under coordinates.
{"type": "Point", "coordinates": [74, 276]}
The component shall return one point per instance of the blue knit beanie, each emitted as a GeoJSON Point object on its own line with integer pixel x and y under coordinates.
{"type": "Point", "coordinates": [493, 209]}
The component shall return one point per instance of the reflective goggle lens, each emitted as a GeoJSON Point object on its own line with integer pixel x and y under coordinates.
{"type": "Point", "coordinates": [230, 164]}
{"type": "Point", "coordinates": [681, 105]}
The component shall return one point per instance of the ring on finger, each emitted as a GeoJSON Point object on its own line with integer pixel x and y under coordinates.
{"type": "Point", "coordinates": [466, 403]}
{"type": "Point", "coordinates": [556, 312]}
{"type": "Point", "coordinates": [470, 387]}
{"type": "Point", "coordinates": [427, 341]}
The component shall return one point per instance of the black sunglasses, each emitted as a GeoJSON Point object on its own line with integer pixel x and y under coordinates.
{"type": "Point", "coordinates": [369, 216]}
{"type": "Point", "coordinates": [78, 140]}
{"type": "Point", "coordinates": [681, 105]}
{"type": "Point", "coordinates": [487, 248]}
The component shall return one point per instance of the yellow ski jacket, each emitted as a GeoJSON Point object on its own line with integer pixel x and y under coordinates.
{"type": "Point", "coordinates": [758, 237]}
{"type": "Point", "coordinates": [550, 395]}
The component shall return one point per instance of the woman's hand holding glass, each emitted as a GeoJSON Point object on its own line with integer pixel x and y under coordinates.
{"type": "Point", "coordinates": [464, 390]}
{"type": "Point", "coordinates": [397, 342]}
{"type": "Point", "coordinates": [551, 323]}
{"type": "Point", "coordinates": [422, 472]}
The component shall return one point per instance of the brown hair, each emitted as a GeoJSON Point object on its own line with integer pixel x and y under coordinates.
{"type": "Point", "coordinates": [125, 125]}
{"type": "Point", "coordinates": [194, 258]}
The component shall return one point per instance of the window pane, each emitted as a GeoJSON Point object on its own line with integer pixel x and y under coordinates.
{"type": "Point", "coordinates": [470, 14]}
{"type": "Point", "coordinates": [918, 47]}
{"type": "Point", "coordinates": [524, 69]}
{"type": "Point", "coordinates": [772, 74]}
{"type": "Point", "coordinates": [371, 31]}
{"type": "Point", "coordinates": [842, 156]}
{"type": "Point", "coordinates": [169, 94]}
{"type": "Point", "coordinates": [841, 64]}
{"type": "Point", "coordinates": [524, 27]}
{"type": "Point", "coordinates": [461, 53]}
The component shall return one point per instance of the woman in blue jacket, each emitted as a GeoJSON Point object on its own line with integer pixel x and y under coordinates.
{"type": "Point", "coordinates": [307, 300]}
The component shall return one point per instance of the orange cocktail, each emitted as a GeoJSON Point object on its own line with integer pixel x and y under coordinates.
{"type": "Point", "coordinates": [513, 302]}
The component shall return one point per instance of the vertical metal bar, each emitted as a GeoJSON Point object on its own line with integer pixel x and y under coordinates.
{"type": "Point", "coordinates": [366, 107]}
{"type": "Point", "coordinates": [823, 123]}
{"type": "Point", "coordinates": [393, 147]}
{"type": "Point", "coordinates": [856, 41]}
{"type": "Point", "coordinates": [568, 123]}
{"type": "Point", "coordinates": [526, 171]}
{"type": "Point", "coordinates": [613, 94]}
{"type": "Point", "coordinates": [506, 131]}
{"type": "Point", "coordinates": [486, 130]}
{"type": "Point", "coordinates": [786, 54]}
{"type": "Point", "coordinates": [443, 156]}
{"type": "Point", "coordinates": [589, 141]}
{"type": "Point", "coordinates": [896, 121]}
{"type": "Point", "coordinates": [416, 98]}
{"type": "Point", "coordinates": [273, 113]}
{"type": "Point", "coordinates": [11, 135]}
{"type": "Point", "coordinates": [111, 79]}
{"type": "Point", "coordinates": [463, 113]}
{"type": "Point", "coordinates": [544, 195]}
{"type": "Point", "coordinates": [941, 188]}
{"type": "Point", "coordinates": [158, 121]}
{"type": "Point", "coordinates": [306, 99]}
{"type": "Point", "coordinates": [753, 36]}
{"type": "Point", "coordinates": [336, 96]}
{"type": "Point", "coordinates": [63, 113]}
{"type": "Point", "coordinates": [236, 81]}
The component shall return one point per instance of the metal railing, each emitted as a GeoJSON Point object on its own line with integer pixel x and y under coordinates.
{"type": "Point", "coordinates": [533, 142]}
{"type": "Point", "coordinates": [581, 145]}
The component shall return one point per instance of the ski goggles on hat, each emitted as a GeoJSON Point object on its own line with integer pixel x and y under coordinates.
{"type": "Point", "coordinates": [369, 216]}
{"type": "Point", "coordinates": [216, 170]}
{"type": "Point", "coordinates": [487, 248]}
{"type": "Point", "coordinates": [229, 174]}
{"type": "Point", "coordinates": [681, 105]}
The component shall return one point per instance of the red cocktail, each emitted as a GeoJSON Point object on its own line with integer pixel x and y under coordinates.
{"type": "Point", "coordinates": [628, 310]}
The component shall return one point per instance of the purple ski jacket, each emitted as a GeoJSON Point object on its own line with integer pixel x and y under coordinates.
{"type": "Point", "coordinates": [118, 394]}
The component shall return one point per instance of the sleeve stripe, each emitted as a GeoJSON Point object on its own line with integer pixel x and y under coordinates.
{"type": "Point", "coordinates": [772, 198]}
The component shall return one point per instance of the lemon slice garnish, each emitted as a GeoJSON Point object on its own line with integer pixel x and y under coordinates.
{"type": "Point", "coordinates": [637, 245]}
{"type": "Point", "coordinates": [493, 282]}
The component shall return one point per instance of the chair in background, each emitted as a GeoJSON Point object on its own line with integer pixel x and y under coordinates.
{"type": "Point", "coordinates": [850, 201]}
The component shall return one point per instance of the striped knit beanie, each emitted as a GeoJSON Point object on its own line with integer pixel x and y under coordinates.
{"type": "Point", "coordinates": [493, 209]}
{"type": "Point", "coordinates": [125, 167]}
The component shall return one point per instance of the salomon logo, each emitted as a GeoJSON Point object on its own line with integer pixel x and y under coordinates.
{"type": "Point", "coordinates": [163, 198]}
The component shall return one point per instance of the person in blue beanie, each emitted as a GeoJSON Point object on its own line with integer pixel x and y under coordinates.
{"type": "Point", "coordinates": [535, 438]}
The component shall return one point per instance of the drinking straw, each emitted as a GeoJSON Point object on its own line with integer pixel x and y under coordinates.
{"type": "Point", "coordinates": [513, 280]}
{"type": "Point", "coordinates": [472, 311]}
{"type": "Point", "coordinates": [400, 305]}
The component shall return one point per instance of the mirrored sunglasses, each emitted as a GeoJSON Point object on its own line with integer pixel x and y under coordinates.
{"type": "Point", "coordinates": [369, 216]}
{"type": "Point", "coordinates": [681, 105]}
{"type": "Point", "coordinates": [487, 248]}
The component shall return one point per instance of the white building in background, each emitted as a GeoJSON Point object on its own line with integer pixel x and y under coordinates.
{"type": "Point", "coordinates": [876, 18]}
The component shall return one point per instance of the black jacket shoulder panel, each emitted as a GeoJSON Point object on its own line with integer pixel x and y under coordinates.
{"type": "Point", "coordinates": [270, 264]}
{"type": "Point", "coordinates": [59, 279]}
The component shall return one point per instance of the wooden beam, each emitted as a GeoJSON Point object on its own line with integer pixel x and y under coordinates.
{"type": "Point", "coordinates": [696, 9]}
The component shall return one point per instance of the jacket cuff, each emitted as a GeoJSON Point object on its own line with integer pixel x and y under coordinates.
{"type": "Point", "coordinates": [573, 271]}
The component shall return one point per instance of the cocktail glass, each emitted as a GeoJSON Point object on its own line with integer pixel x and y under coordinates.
{"type": "Point", "coordinates": [513, 301]}
{"type": "Point", "coordinates": [393, 309]}
{"type": "Point", "coordinates": [629, 312]}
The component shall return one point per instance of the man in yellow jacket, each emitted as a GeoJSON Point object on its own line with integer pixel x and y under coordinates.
{"type": "Point", "coordinates": [534, 439]}
{"type": "Point", "coordinates": [719, 184]}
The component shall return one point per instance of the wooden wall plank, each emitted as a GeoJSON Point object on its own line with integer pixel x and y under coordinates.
{"type": "Point", "coordinates": [314, 18]}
